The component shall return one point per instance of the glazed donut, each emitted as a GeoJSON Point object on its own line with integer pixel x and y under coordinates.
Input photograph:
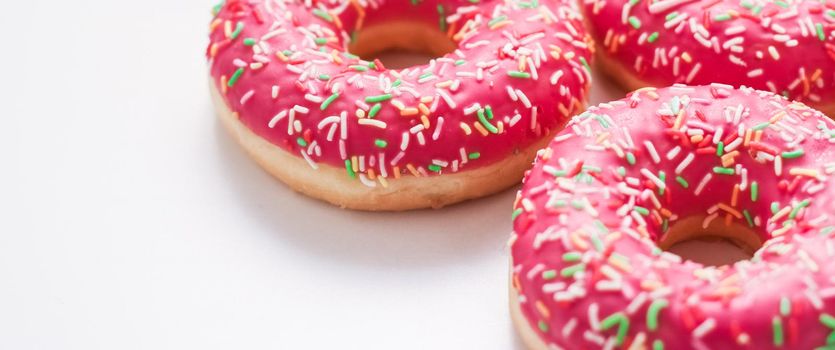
{"type": "Point", "coordinates": [351, 132]}
{"type": "Point", "coordinates": [786, 47]}
{"type": "Point", "coordinates": [627, 179]}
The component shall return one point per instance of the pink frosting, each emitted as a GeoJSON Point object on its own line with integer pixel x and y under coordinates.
{"type": "Point", "coordinates": [519, 72]}
{"type": "Point", "coordinates": [786, 47]}
{"type": "Point", "coordinates": [588, 218]}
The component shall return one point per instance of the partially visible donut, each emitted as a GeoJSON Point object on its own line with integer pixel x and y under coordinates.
{"type": "Point", "coordinates": [786, 47]}
{"type": "Point", "coordinates": [628, 179]}
{"type": "Point", "coordinates": [356, 134]}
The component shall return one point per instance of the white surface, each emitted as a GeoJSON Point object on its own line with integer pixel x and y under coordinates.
{"type": "Point", "coordinates": [128, 220]}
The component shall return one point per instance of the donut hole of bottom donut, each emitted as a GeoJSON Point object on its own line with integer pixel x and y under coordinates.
{"type": "Point", "coordinates": [720, 243]}
{"type": "Point", "coordinates": [401, 44]}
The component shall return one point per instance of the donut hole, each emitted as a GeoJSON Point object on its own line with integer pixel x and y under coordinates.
{"type": "Point", "coordinates": [401, 44]}
{"type": "Point", "coordinates": [718, 244]}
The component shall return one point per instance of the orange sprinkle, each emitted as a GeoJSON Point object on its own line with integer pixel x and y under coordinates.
{"type": "Point", "coordinates": [412, 170]}
{"type": "Point", "coordinates": [409, 111]}
{"type": "Point", "coordinates": [480, 128]}
{"type": "Point", "coordinates": [730, 210]}
{"type": "Point", "coordinates": [543, 310]}
{"type": "Point", "coordinates": [396, 170]}
{"type": "Point", "coordinates": [425, 121]}
{"type": "Point", "coordinates": [735, 195]}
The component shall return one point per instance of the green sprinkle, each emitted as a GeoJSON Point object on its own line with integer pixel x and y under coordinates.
{"type": "Point", "coordinates": [489, 111]}
{"type": "Point", "coordinates": [828, 320]}
{"type": "Point", "coordinates": [720, 149]}
{"type": "Point", "coordinates": [460, 62]}
{"type": "Point", "coordinates": [474, 155]}
{"type": "Point", "coordinates": [723, 171]}
{"type": "Point", "coordinates": [722, 17]}
{"type": "Point", "coordinates": [652, 37]}
{"type": "Point", "coordinates": [830, 13]}
{"type": "Point", "coordinates": [635, 22]}
{"type": "Point", "coordinates": [658, 345]}
{"type": "Point", "coordinates": [621, 171]}
{"type": "Point", "coordinates": [323, 14]}
{"type": "Point", "coordinates": [748, 217]}
{"type": "Point", "coordinates": [327, 102]}
{"type": "Point", "coordinates": [518, 74]}
{"type": "Point", "coordinates": [620, 319]}
{"type": "Point", "coordinates": [320, 41]}
{"type": "Point", "coordinates": [572, 270]}
{"type": "Point", "coordinates": [641, 210]}
{"type": "Point", "coordinates": [782, 4]}
{"type": "Point", "coordinates": [634, 2]}
{"type": "Point", "coordinates": [792, 154]}
{"type": "Point", "coordinates": [681, 181]}
{"type": "Point", "coordinates": [235, 77]}
{"type": "Point", "coordinates": [434, 167]}
{"type": "Point", "coordinates": [249, 42]}
{"type": "Point", "coordinates": [543, 326]}
{"type": "Point", "coordinates": [374, 110]}
{"type": "Point", "coordinates": [601, 120]}
{"type": "Point", "coordinates": [761, 126]}
{"type": "Point", "coordinates": [549, 274]}
{"type": "Point", "coordinates": [585, 64]}
{"type": "Point", "coordinates": [359, 68]}
{"type": "Point", "coordinates": [441, 18]}
{"type": "Point", "coordinates": [496, 20]}
{"type": "Point", "coordinates": [487, 125]}
{"type": "Point", "coordinates": [755, 191]}
{"type": "Point", "coordinates": [572, 256]}
{"type": "Point", "coordinates": [775, 207]}
{"type": "Point", "coordinates": [796, 209]}
{"type": "Point", "coordinates": [301, 142]}
{"type": "Point", "coordinates": [630, 158]}
{"type": "Point", "coordinates": [785, 306]}
{"type": "Point", "coordinates": [396, 83]}
{"type": "Point", "coordinates": [777, 328]}
{"type": "Point", "coordinates": [350, 170]}
{"type": "Point", "coordinates": [380, 143]}
{"type": "Point", "coordinates": [324, 77]}
{"type": "Point", "coordinates": [378, 98]}
{"type": "Point", "coordinates": [653, 311]}
{"type": "Point", "coordinates": [516, 213]}
{"type": "Point", "coordinates": [238, 29]}
{"type": "Point", "coordinates": [663, 177]}
{"type": "Point", "coordinates": [671, 16]}
{"type": "Point", "coordinates": [425, 75]}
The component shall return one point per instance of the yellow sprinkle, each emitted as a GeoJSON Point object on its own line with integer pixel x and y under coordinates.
{"type": "Point", "coordinates": [425, 121]}
{"type": "Point", "coordinates": [803, 172]}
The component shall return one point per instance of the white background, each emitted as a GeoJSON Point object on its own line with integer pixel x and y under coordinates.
{"type": "Point", "coordinates": [129, 220]}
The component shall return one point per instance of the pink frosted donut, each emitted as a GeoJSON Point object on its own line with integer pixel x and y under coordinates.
{"type": "Point", "coordinates": [784, 46]}
{"type": "Point", "coordinates": [627, 179]}
{"type": "Point", "coordinates": [356, 134]}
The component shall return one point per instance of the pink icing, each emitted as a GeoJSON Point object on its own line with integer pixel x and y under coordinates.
{"type": "Point", "coordinates": [588, 218]}
{"type": "Point", "coordinates": [522, 63]}
{"type": "Point", "coordinates": [786, 47]}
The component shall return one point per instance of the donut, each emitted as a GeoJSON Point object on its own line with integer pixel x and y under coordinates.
{"type": "Point", "coordinates": [785, 46]}
{"type": "Point", "coordinates": [289, 82]}
{"type": "Point", "coordinates": [628, 179]}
